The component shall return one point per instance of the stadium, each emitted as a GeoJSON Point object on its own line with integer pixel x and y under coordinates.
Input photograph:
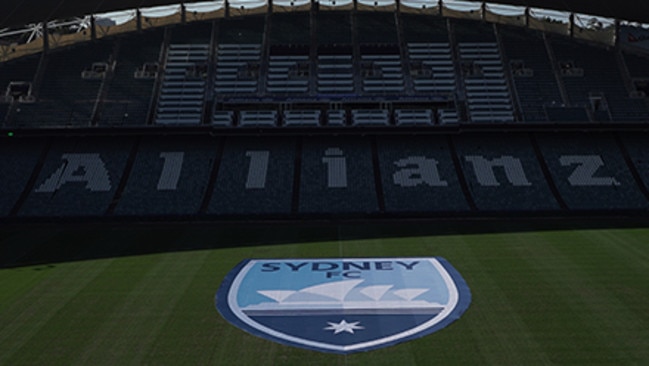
{"type": "Point", "coordinates": [153, 152]}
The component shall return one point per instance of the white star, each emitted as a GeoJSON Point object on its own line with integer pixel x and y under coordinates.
{"type": "Point", "coordinates": [343, 326]}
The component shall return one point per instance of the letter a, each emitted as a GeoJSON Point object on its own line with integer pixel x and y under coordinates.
{"type": "Point", "coordinates": [424, 171]}
{"type": "Point", "coordinates": [88, 168]}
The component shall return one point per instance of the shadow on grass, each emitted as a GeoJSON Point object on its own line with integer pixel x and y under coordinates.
{"type": "Point", "coordinates": [45, 244]}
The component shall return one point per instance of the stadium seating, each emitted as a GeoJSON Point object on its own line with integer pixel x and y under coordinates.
{"type": "Point", "coordinates": [237, 69]}
{"type": "Point", "coordinates": [354, 57]}
{"type": "Point", "coordinates": [600, 87]}
{"type": "Point", "coordinates": [503, 174]}
{"type": "Point", "coordinates": [590, 172]}
{"type": "Point", "coordinates": [414, 117]}
{"type": "Point", "coordinates": [255, 177]}
{"type": "Point", "coordinates": [69, 89]}
{"type": "Point", "coordinates": [222, 118]}
{"type": "Point", "coordinates": [638, 152]}
{"type": "Point", "coordinates": [381, 70]}
{"type": "Point", "coordinates": [336, 118]}
{"type": "Point", "coordinates": [335, 71]}
{"type": "Point", "coordinates": [566, 114]}
{"type": "Point", "coordinates": [20, 70]}
{"type": "Point", "coordinates": [19, 158]}
{"type": "Point", "coordinates": [301, 118]}
{"type": "Point", "coordinates": [288, 71]}
{"type": "Point", "coordinates": [130, 90]}
{"type": "Point", "coordinates": [265, 118]}
{"type": "Point", "coordinates": [487, 92]}
{"type": "Point", "coordinates": [370, 117]}
{"type": "Point", "coordinates": [169, 176]}
{"type": "Point", "coordinates": [79, 177]}
{"type": "Point", "coordinates": [353, 76]}
{"type": "Point", "coordinates": [52, 113]}
{"type": "Point", "coordinates": [447, 116]}
{"type": "Point", "coordinates": [337, 177]}
{"type": "Point", "coordinates": [534, 79]}
{"type": "Point", "coordinates": [431, 68]}
{"type": "Point", "coordinates": [418, 176]}
{"type": "Point", "coordinates": [637, 65]}
{"type": "Point", "coordinates": [183, 88]}
{"type": "Point", "coordinates": [429, 55]}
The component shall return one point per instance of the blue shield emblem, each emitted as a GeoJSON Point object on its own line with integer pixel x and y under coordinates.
{"type": "Point", "coordinates": [343, 305]}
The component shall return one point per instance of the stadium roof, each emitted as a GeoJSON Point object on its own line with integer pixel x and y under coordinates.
{"type": "Point", "coordinates": [21, 12]}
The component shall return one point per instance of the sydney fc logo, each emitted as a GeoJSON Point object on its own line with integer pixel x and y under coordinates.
{"type": "Point", "coordinates": [343, 305]}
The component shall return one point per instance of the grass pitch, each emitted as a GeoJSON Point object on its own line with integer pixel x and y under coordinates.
{"type": "Point", "coordinates": [144, 294]}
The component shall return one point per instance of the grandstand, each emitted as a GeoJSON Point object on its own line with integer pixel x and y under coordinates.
{"type": "Point", "coordinates": [258, 103]}
{"type": "Point", "coordinates": [311, 113]}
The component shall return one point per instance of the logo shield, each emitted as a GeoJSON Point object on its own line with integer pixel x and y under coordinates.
{"type": "Point", "coordinates": [343, 305]}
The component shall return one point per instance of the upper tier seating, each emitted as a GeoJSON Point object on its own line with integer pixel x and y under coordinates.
{"type": "Point", "coordinates": [129, 93]}
{"type": "Point", "coordinates": [335, 71]}
{"type": "Point", "coordinates": [20, 70]}
{"type": "Point", "coordinates": [210, 70]}
{"type": "Point", "coordinates": [486, 85]}
{"type": "Point", "coordinates": [288, 70]}
{"type": "Point", "coordinates": [69, 89]}
{"type": "Point", "coordinates": [237, 69]}
{"type": "Point", "coordinates": [598, 84]}
{"type": "Point", "coordinates": [534, 79]}
{"type": "Point", "coordinates": [637, 65]}
{"type": "Point", "coordinates": [431, 68]}
{"type": "Point", "coordinates": [183, 87]}
{"type": "Point", "coordinates": [381, 70]}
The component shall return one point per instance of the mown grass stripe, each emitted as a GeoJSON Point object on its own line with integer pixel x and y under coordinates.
{"type": "Point", "coordinates": [30, 325]}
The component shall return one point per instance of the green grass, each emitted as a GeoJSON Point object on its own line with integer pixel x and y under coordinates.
{"type": "Point", "coordinates": [115, 295]}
